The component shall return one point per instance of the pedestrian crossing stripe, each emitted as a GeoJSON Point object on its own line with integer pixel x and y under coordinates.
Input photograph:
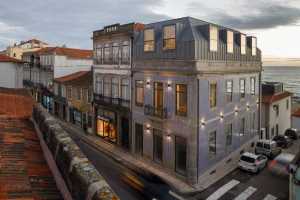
{"type": "Point", "coordinates": [246, 194]}
{"type": "Point", "coordinates": [222, 190]}
{"type": "Point", "coordinates": [270, 197]}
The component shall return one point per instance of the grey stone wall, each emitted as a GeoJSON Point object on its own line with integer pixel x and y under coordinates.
{"type": "Point", "coordinates": [81, 177]}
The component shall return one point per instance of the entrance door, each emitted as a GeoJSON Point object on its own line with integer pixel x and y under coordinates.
{"type": "Point", "coordinates": [125, 133]}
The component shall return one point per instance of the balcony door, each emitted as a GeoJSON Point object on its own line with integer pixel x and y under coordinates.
{"type": "Point", "coordinates": [158, 97]}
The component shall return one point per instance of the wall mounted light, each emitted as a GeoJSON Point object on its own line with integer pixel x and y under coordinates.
{"type": "Point", "coordinates": [202, 123]}
{"type": "Point", "coordinates": [248, 107]}
{"type": "Point", "coordinates": [221, 116]}
{"type": "Point", "coordinates": [169, 86]}
{"type": "Point", "coordinates": [236, 110]}
{"type": "Point", "coordinates": [148, 128]}
{"type": "Point", "coordinates": [148, 83]}
{"type": "Point", "coordinates": [169, 137]}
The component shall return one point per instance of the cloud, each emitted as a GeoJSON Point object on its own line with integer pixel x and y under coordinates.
{"type": "Point", "coordinates": [71, 22]}
{"type": "Point", "coordinates": [251, 14]}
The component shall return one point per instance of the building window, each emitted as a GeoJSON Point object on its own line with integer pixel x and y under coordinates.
{"type": "Point", "coordinates": [99, 85]}
{"type": "Point", "coordinates": [149, 40]}
{"type": "Point", "coordinates": [139, 134]}
{"type": "Point", "coordinates": [277, 129]}
{"type": "Point", "coordinates": [228, 134]}
{"type": "Point", "coordinates": [242, 88]}
{"type": "Point", "coordinates": [107, 87]}
{"type": "Point", "coordinates": [212, 143]}
{"type": "Point", "coordinates": [157, 146]}
{"type": "Point", "coordinates": [125, 53]}
{"type": "Point", "coordinates": [229, 42]}
{"type": "Point", "coordinates": [254, 45]}
{"type": "Point", "coordinates": [181, 99]}
{"type": "Point", "coordinates": [243, 44]}
{"type": "Point", "coordinates": [107, 54]}
{"type": "Point", "coordinates": [115, 53]}
{"type": "Point", "coordinates": [213, 38]}
{"type": "Point", "coordinates": [213, 94]}
{"type": "Point", "coordinates": [252, 85]}
{"type": "Point", "coordinates": [78, 93]}
{"type": "Point", "coordinates": [98, 54]}
{"type": "Point", "coordinates": [242, 127]}
{"type": "Point", "coordinates": [69, 92]}
{"type": "Point", "coordinates": [276, 108]}
{"type": "Point", "coordinates": [115, 88]}
{"type": "Point", "coordinates": [125, 91]}
{"type": "Point", "coordinates": [89, 95]}
{"type": "Point", "coordinates": [158, 96]}
{"type": "Point", "coordinates": [169, 37]}
{"type": "Point", "coordinates": [287, 104]}
{"type": "Point", "coordinates": [139, 93]}
{"type": "Point", "coordinates": [180, 155]}
{"type": "Point", "coordinates": [229, 90]}
{"type": "Point", "coordinates": [253, 121]}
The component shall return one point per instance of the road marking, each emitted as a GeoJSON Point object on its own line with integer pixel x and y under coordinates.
{"type": "Point", "coordinates": [270, 197]}
{"type": "Point", "coordinates": [246, 194]}
{"type": "Point", "coordinates": [175, 195]}
{"type": "Point", "coordinates": [222, 190]}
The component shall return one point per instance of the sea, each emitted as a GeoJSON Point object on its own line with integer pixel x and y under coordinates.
{"type": "Point", "coordinates": [290, 76]}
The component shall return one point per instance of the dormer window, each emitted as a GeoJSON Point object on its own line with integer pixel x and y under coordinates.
{"type": "Point", "coordinates": [254, 45]}
{"type": "Point", "coordinates": [243, 44]}
{"type": "Point", "coordinates": [149, 40]}
{"type": "Point", "coordinates": [169, 37]}
{"type": "Point", "coordinates": [213, 38]}
{"type": "Point", "coordinates": [229, 42]}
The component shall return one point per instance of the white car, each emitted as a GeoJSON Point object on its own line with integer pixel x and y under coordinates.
{"type": "Point", "coordinates": [252, 162]}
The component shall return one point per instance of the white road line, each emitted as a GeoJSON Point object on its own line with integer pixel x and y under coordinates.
{"type": "Point", "coordinates": [270, 197]}
{"type": "Point", "coordinates": [222, 190]}
{"type": "Point", "coordinates": [176, 196]}
{"type": "Point", "coordinates": [246, 194]}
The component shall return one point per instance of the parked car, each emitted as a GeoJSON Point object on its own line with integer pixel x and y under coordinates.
{"type": "Point", "coordinates": [280, 165]}
{"type": "Point", "coordinates": [282, 141]}
{"type": "Point", "coordinates": [292, 133]}
{"type": "Point", "coordinates": [252, 162]}
{"type": "Point", "coordinates": [267, 147]}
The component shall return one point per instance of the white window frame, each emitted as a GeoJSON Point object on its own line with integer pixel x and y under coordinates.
{"type": "Point", "coordinates": [213, 38]}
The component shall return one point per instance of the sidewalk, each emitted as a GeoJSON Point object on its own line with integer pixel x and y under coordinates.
{"type": "Point", "coordinates": [128, 160]}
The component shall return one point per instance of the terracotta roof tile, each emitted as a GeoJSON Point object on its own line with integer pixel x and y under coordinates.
{"type": "Point", "coordinates": [5, 58]}
{"type": "Point", "coordinates": [72, 77]}
{"type": "Point", "coordinates": [276, 97]}
{"type": "Point", "coordinates": [71, 53]}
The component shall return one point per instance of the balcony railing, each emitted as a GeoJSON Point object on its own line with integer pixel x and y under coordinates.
{"type": "Point", "coordinates": [155, 112]}
{"type": "Point", "coordinates": [100, 99]}
{"type": "Point", "coordinates": [28, 83]}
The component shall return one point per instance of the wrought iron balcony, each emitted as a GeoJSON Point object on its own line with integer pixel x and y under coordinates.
{"type": "Point", "coordinates": [28, 83]}
{"type": "Point", "coordinates": [155, 112]}
{"type": "Point", "coordinates": [102, 100]}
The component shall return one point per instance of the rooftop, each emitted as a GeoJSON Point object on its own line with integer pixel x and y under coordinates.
{"type": "Point", "coordinates": [296, 113]}
{"type": "Point", "coordinates": [5, 58]}
{"type": "Point", "coordinates": [270, 98]}
{"type": "Point", "coordinates": [69, 52]}
{"type": "Point", "coordinates": [74, 77]}
{"type": "Point", "coordinates": [24, 173]}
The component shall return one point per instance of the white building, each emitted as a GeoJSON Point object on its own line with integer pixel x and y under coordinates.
{"type": "Point", "coordinates": [11, 72]}
{"type": "Point", "coordinates": [276, 109]}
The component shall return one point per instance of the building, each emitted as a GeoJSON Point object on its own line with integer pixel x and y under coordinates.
{"type": "Point", "coordinates": [195, 99]}
{"type": "Point", "coordinates": [43, 65]}
{"type": "Point", "coordinates": [296, 119]}
{"type": "Point", "coordinates": [276, 109]}
{"type": "Point", "coordinates": [11, 72]}
{"type": "Point", "coordinates": [112, 82]}
{"type": "Point", "coordinates": [72, 99]}
{"type": "Point", "coordinates": [17, 50]}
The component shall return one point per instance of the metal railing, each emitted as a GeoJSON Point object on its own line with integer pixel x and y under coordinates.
{"type": "Point", "coordinates": [100, 99]}
{"type": "Point", "coordinates": [155, 112]}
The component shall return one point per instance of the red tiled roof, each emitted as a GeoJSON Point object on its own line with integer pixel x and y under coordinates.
{"type": "Point", "coordinates": [72, 77]}
{"type": "Point", "coordinates": [71, 53]}
{"type": "Point", "coordinates": [276, 97]}
{"type": "Point", "coordinates": [296, 113]}
{"type": "Point", "coordinates": [5, 58]}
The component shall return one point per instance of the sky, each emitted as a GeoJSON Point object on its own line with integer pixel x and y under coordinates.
{"type": "Point", "coordinates": [276, 23]}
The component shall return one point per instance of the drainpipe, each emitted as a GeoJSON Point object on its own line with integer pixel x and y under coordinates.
{"type": "Point", "coordinates": [198, 128]}
{"type": "Point", "coordinates": [131, 86]}
{"type": "Point", "coordinates": [259, 106]}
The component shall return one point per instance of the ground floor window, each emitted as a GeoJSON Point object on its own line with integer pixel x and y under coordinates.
{"type": "Point", "coordinates": [139, 134]}
{"type": "Point", "coordinates": [212, 143]}
{"type": "Point", "coordinates": [107, 130]}
{"type": "Point", "coordinates": [228, 134]}
{"type": "Point", "coordinates": [180, 155]}
{"type": "Point", "coordinates": [125, 133]}
{"type": "Point", "coordinates": [77, 118]}
{"type": "Point", "coordinates": [157, 146]}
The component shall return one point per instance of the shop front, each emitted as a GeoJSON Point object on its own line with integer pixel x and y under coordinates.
{"type": "Point", "coordinates": [106, 125]}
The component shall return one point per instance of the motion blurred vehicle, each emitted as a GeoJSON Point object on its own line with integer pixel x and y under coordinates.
{"type": "Point", "coordinates": [268, 148]}
{"type": "Point", "coordinates": [292, 133]}
{"type": "Point", "coordinates": [280, 165]}
{"type": "Point", "coordinates": [149, 185]}
{"type": "Point", "coordinates": [252, 163]}
{"type": "Point", "coordinates": [282, 141]}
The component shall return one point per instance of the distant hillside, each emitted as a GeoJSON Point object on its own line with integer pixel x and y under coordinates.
{"type": "Point", "coordinates": [276, 61]}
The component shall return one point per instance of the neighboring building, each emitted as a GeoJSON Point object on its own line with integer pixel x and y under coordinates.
{"type": "Point", "coordinates": [42, 66]}
{"type": "Point", "coordinates": [276, 109]}
{"type": "Point", "coordinates": [112, 82]}
{"type": "Point", "coordinates": [11, 72]}
{"type": "Point", "coordinates": [296, 119]}
{"type": "Point", "coordinates": [195, 98]}
{"type": "Point", "coordinates": [72, 99]}
{"type": "Point", "coordinates": [17, 50]}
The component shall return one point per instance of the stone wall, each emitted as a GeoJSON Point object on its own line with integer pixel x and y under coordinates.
{"type": "Point", "coordinates": [81, 177]}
